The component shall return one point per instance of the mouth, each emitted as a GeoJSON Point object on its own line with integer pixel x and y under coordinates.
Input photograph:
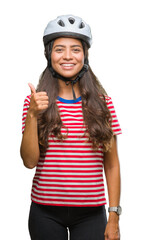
{"type": "Point", "coordinates": [67, 66]}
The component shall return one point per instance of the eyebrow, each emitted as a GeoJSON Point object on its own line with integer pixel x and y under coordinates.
{"type": "Point", "coordinates": [65, 46]}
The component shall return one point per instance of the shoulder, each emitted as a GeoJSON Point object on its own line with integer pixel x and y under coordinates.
{"type": "Point", "coordinates": [27, 99]}
{"type": "Point", "coordinates": [106, 99]}
{"type": "Point", "coordinates": [26, 104]}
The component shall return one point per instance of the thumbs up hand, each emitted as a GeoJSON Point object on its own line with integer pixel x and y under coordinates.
{"type": "Point", "coordinates": [39, 101]}
{"type": "Point", "coordinates": [32, 88]}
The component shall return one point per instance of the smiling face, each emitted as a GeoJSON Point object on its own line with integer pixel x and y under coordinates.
{"type": "Point", "coordinates": [67, 57]}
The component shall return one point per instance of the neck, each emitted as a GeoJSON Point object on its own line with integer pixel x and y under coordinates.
{"type": "Point", "coordinates": [65, 91]}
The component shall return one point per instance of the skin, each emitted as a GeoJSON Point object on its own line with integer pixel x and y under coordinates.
{"type": "Point", "coordinates": [112, 173]}
{"type": "Point", "coordinates": [67, 51]}
{"type": "Point", "coordinates": [29, 146]}
{"type": "Point", "coordinates": [67, 59]}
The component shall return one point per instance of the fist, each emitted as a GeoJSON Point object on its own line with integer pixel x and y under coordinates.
{"type": "Point", "coordinates": [39, 101]}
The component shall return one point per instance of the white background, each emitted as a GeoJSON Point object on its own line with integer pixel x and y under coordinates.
{"type": "Point", "coordinates": [116, 59]}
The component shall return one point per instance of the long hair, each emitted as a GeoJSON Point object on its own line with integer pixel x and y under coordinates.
{"type": "Point", "coordinates": [96, 115]}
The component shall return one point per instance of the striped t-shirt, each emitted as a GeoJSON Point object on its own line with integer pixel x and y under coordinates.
{"type": "Point", "coordinates": [70, 172]}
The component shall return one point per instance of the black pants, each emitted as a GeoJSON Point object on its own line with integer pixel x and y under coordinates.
{"type": "Point", "coordinates": [53, 222]}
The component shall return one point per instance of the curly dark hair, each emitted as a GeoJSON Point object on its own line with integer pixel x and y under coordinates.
{"type": "Point", "coordinates": [96, 115]}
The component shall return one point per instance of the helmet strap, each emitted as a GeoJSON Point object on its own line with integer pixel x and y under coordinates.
{"type": "Point", "coordinates": [69, 80]}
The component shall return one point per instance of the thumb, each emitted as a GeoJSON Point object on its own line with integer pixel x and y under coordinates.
{"type": "Point", "coordinates": [32, 88]}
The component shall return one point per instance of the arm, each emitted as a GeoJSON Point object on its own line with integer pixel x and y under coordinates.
{"type": "Point", "coordinates": [112, 173]}
{"type": "Point", "coordinates": [29, 146]}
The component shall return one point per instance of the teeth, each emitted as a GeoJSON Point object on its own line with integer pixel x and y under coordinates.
{"type": "Point", "coordinates": [67, 65]}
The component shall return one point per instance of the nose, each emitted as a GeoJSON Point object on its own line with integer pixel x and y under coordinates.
{"type": "Point", "coordinates": [67, 54]}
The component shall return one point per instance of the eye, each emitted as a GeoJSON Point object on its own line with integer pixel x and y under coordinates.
{"type": "Point", "coordinates": [76, 50]}
{"type": "Point", "coordinates": [58, 50]}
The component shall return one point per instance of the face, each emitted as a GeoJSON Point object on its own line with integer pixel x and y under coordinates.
{"type": "Point", "coordinates": [67, 57]}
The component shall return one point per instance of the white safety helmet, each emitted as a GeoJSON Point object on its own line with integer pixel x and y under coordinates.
{"type": "Point", "coordinates": [67, 26]}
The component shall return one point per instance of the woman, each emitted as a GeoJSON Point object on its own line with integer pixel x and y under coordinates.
{"type": "Point", "coordinates": [69, 134]}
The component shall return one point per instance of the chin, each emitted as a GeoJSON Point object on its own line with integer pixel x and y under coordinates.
{"type": "Point", "coordinates": [72, 77]}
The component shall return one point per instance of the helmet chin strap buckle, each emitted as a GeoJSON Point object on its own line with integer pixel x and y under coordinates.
{"type": "Point", "coordinates": [67, 83]}
{"type": "Point", "coordinates": [67, 80]}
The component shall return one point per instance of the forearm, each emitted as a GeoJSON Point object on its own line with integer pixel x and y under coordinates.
{"type": "Point", "coordinates": [29, 147]}
{"type": "Point", "coordinates": [113, 185]}
{"type": "Point", "coordinates": [112, 173]}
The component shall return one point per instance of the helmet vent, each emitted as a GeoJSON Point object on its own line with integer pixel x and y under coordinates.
{"type": "Point", "coordinates": [82, 25]}
{"type": "Point", "coordinates": [71, 20]}
{"type": "Point", "coordinates": [61, 23]}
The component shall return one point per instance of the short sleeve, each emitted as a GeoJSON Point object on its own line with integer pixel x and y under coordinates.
{"type": "Point", "coordinates": [25, 110]}
{"type": "Point", "coordinates": [114, 121]}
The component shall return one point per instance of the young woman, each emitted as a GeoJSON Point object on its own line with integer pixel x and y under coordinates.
{"type": "Point", "coordinates": [69, 134]}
